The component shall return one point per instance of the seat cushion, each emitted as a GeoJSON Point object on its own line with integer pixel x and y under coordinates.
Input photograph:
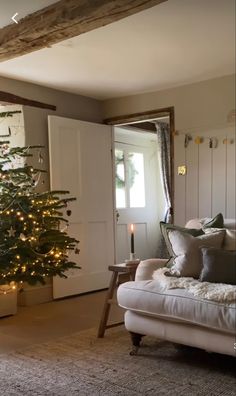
{"type": "Point", "coordinates": [149, 298]}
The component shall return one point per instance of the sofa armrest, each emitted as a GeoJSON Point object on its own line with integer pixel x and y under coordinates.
{"type": "Point", "coordinates": [147, 267]}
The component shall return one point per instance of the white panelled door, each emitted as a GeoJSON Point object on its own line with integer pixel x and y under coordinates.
{"type": "Point", "coordinates": [81, 162]}
{"type": "Point", "coordinates": [137, 193]}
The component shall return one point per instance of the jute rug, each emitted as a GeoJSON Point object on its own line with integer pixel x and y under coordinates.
{"type": "Point", "coordinates": [81, 364]}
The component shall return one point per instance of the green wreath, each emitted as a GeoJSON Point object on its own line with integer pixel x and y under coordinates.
{"type": "Point", "coordinates": [119, 159]}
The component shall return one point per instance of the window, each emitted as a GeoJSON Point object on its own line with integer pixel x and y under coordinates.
{"type": "Point", "coordinates": [130, 187]}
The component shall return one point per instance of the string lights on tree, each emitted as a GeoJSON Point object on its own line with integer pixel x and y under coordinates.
{"type": "Point", "coordinates": [34, 243]}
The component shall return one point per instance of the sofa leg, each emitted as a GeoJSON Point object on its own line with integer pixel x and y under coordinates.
{"type": "Point", "coordinates": [136, 339]}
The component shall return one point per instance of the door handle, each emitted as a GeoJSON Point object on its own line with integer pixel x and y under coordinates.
{"type": "Point", "coordinates": [117, 216]}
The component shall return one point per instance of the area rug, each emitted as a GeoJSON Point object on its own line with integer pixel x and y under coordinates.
{"type": "Point", "coordinates": [81, 364]}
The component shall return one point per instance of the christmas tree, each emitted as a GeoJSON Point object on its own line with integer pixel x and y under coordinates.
{"type": "Point", "coordinates": [34, 243]}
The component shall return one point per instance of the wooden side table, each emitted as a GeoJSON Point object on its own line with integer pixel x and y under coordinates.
{"type": "Point", "coordinates": [116, 270]}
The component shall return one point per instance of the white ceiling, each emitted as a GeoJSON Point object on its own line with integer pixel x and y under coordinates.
{"type": "Point", "coordinates": [175, 43]}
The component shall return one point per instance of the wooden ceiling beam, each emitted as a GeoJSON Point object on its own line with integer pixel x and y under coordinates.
{"type": "Point", "coordinates": [136, 117]}
{"type": "Point", "coordinates": [63, 20]}
{"type": "Point", "coordinates": [11, 98]}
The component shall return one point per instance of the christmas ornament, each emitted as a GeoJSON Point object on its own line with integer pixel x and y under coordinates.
{"type": "Point", "coordinates": [22, 237]}
{"type": "Point", "coordinates": [11, 232]}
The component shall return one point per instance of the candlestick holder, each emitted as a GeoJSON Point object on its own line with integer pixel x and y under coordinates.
{"type": "Point", "coordinates": [132, 261]}
{"type": "Point", "coordinates": [132, 256]}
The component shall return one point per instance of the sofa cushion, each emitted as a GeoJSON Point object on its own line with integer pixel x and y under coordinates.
{"type": "Point", "coordinates": [187, 259]}
{"type": "Point", "coordinates": [229, 242]}
{"type": "Point", "coordinates": [230, 224]}
{"type": "Point", "coordinates": [219, 266]}
{"type": "Point", "coordinates": [166, 227]}
{"type": "Point", "coordinates": [148, 298]}
{"type": "Point", "coordinates": [217, 222]}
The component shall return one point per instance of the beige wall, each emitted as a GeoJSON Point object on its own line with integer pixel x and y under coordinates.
{"type": "Point", "coordinates": [205, 103]}
{"type": "Point", "coordinates": [35, 119]}
{"type": "Point", "coordinates": [68, 105]}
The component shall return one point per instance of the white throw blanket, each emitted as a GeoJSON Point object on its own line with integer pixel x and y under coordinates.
{"type": "Point", "coordinates": [219, 292]}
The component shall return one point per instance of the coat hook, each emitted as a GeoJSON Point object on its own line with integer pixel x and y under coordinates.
{"type": "Point", "coordinates": [187, 139]}
{"type": "Point", "coordinates": [213, 142]}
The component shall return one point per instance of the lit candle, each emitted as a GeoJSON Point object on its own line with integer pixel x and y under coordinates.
{"type": "Point", "coordinates": [132, 238]}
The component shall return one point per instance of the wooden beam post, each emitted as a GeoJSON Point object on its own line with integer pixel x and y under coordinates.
{"type": "Point", "coordinates": [63, 20]}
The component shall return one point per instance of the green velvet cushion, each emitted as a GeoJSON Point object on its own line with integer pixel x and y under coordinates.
{"type": "Point", "coordinates": [165, 227]}
{"type": "Point", "coordinates": [216, 222]}
{"type": "Point", "coordinates": [219, 266]}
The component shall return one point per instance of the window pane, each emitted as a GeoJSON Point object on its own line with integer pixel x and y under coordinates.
{"type": "Point", "coordinates": [120, 179]}
{"type": "Point", "coordinates": [136, 180]}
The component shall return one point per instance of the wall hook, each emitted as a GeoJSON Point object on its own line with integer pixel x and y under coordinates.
{"type": "Point", "coordinates": [213, 142]}
{"type": "Point", "coordinates": [187, 139]}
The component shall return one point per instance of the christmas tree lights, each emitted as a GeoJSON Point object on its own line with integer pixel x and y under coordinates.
{"type": "Point", "coordinates": [34, 243]}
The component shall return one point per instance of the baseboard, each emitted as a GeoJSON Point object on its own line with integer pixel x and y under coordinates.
{"type": "Point", "coordinates": [35, 295]}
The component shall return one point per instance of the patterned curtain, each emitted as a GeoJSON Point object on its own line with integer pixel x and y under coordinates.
{"type": "Point", "coordinates": [163, 140]}
{"type": "Point", "coordinates": [164, 157]}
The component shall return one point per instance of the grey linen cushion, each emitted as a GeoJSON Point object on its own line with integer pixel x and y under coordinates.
{"type": "Point", "coordinates": [219, 266]}
{"type": "Point", "coordinates": [229, 239]}
{"type": "Point", "coordinates": [166, 227]}
{"type": "Point", "coordinates": [187, 258]}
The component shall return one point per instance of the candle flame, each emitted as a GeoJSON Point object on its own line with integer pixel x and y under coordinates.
{"type": "Point", "coordinates": [132, 228]}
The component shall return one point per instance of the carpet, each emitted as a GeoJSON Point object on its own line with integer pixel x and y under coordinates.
{"type": "Point", "coordinates": [81, 364]}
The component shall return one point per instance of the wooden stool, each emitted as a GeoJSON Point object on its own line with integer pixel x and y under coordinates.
{"type": "Point", "coordinates": [116, 270]}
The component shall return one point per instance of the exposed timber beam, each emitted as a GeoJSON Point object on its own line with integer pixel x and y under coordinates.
{"type": "Point", "coordinates": [10, 98]}
{"type": "Point", "coordinates": [62, 20]}
{"type": "Point", "coordinates": [137, 117]}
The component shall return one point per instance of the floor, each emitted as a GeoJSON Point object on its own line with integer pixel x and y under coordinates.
{"type": "Point", "coordinates": [44, 322]}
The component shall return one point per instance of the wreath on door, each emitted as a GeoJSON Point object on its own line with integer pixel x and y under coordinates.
{"type": "Point", "coordinates": [120, 159]}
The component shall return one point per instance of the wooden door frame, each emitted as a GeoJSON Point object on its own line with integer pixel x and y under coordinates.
{"type": "Point", "coordinates": [151, 115]}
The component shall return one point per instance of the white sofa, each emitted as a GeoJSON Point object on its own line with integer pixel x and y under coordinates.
{"type": "Point", "coordinates": [176, 315]}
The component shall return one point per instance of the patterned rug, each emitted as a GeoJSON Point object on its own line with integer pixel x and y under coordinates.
{"type": "Point", "coordinates": [81, 364]}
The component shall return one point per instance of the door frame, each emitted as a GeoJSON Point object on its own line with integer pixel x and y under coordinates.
{"type": "Point", "coordinates": [151, 115]}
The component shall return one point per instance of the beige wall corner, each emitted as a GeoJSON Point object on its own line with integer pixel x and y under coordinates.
{"type": "Point", "coordinates": [206, 103]}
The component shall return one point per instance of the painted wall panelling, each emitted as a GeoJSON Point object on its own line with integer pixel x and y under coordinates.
{"type": "Point", "coordinates": [204, 179]}
{"type": "Point", "coordinates": [209, 185]}
{"type": "Point", "coordinates": [180, 181]}
{"type": "Point", "coordinates": [230, 180]}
